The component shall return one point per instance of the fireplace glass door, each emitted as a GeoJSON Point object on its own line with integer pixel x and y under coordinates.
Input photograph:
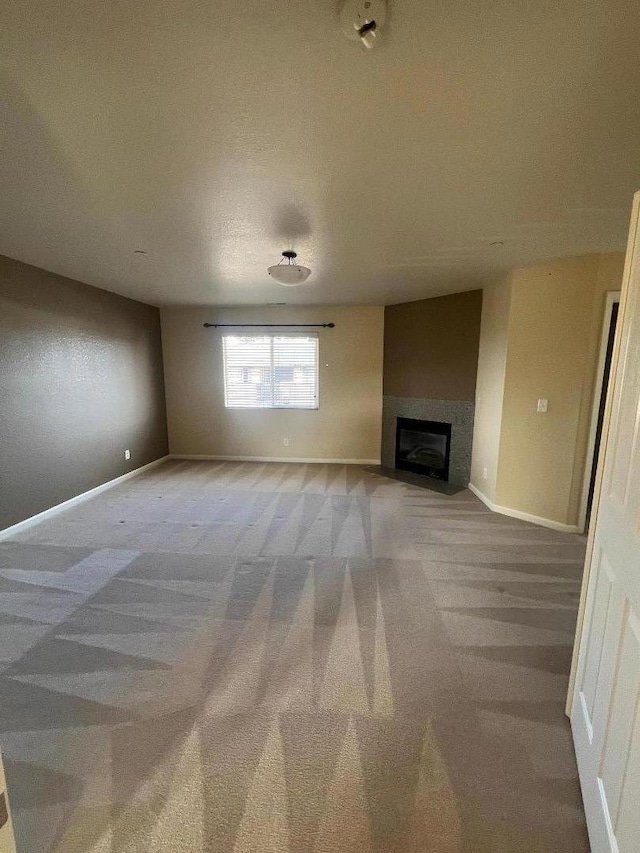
{"type": "Point", "coordinates": [423, 447]}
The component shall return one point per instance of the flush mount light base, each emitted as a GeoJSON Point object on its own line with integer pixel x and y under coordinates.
{"type": "Point", "coordinates": [362, 20]}
{"type": "Point", "coordinates": [287, 272]}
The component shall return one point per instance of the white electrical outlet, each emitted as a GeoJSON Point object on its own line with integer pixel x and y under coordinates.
{"type": "Point", "coordinates": [127, 454]}
{"type": "Point", "coordinates": [484, 474]}
{"type": "Point", "coordinates": [285, 441]}
{"type": "Point", "coordinates": [543, 406]}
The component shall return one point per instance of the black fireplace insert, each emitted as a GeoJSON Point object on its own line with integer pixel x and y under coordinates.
{"type": "Point", "coordinates": [423, 447]}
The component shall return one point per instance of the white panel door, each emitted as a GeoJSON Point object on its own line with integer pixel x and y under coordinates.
{"type": "Point", "coordinates": [605, 701]}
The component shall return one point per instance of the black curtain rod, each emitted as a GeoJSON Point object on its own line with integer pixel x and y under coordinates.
{"type": "Point", "coordinates": [269, 325]}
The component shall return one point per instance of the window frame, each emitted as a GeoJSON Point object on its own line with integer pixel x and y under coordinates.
{"type": "Point", "coordinates": [272, 335]}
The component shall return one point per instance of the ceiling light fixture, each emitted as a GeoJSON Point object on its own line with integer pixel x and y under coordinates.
{"type": "Point", "coordinates": [287, 272]}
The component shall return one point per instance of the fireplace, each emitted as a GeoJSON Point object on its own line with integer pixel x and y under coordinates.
{"type": "Point", "coordinates": [423, 447]}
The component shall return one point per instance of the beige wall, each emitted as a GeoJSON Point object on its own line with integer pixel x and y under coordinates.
{"type": "Point", "coordinates": [555, 316]}
{"type": "Point", "coordinates": [551, 308]}
{"type": "Point", "coordinates": [492, 361]}
{"type": "Point", "coordinates": [347, 424]}
{"type": "Point", "coordinates": [431, 347]}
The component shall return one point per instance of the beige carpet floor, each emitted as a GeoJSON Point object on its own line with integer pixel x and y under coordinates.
{"type": "Point", "coordinates": [236, 657]}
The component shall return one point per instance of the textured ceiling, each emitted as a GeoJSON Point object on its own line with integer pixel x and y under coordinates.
{"type": "Point", "coordinates": [214, 133]}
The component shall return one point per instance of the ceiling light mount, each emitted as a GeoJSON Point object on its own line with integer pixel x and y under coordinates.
{"type": "Point", "coordinates": [288, 273]}
{"type": "Point", "coordinates": [362, 20]}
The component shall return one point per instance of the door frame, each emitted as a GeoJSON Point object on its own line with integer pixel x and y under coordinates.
{"type": "Point", "coordinates": [612, 298]}
{"type": "Point", "coordinates": [634, 236]}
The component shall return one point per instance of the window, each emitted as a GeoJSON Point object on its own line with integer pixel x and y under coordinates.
{"type": "Point", "coordinates": [272, 371]}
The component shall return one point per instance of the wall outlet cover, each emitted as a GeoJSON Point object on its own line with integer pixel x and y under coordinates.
{"type": "Point", "coordinates": [127, 454]}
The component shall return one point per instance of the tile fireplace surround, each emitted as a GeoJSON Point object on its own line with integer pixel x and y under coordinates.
{"type": "Point", "coordinates": [459, 413]}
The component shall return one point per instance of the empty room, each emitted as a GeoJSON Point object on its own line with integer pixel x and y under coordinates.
{"type": "Point", "coordinates": [319, 431]}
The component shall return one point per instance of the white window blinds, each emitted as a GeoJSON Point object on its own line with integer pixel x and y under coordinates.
{"type": "Point", "coordinates": [270, 371]}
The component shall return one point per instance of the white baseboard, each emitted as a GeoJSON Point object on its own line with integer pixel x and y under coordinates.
{"type": "Point", "coordinates": [524, 516]}
{"type": "Point", "coordinates": [300, 459]}
{"type": "Point", "coordinates": [54, 510]}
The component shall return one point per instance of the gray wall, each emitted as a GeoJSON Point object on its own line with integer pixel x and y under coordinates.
{"type": "Point", "coordinates": [81, 380]}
